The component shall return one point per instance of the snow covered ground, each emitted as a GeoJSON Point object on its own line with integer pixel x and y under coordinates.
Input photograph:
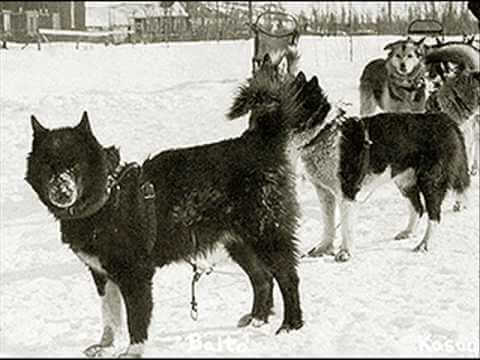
{"type": "Point", "coordinates": [387, 301]}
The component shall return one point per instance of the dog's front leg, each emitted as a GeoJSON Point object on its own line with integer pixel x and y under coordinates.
{"type": "Point", "coordinates": [347, 218]}
{"type": "Point", "coordinates": [137, 294]}
{"type": "Point", "coordinates": [112, 316]}
{"type": "Point", "coordinates": [327, 204]}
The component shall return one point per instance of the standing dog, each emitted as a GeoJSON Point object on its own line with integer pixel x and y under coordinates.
{"type": "Point", "coordinates": [123, 221]}
{"type": "Point", "coordinates": [424, 154]}
{"type": "Point", "coordinates": [395, 84]}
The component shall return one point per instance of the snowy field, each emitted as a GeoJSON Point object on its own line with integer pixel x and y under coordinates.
{"type": "Point", "coordinates": [387, 301]}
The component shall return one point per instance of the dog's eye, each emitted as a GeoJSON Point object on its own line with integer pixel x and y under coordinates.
{"type": "Point", "coordinates": [410, 56]}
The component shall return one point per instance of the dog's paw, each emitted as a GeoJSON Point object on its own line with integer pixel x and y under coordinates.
{"type": "Point", "coordinates": [133, 351]}
{"type": "Point", "coordinates": [343, 256]}
{"type": "Point", "coordinates": [258, 322]}
{"type": "Point", "coordinates": [287, 327]}
{"type": "Point", "coordinates": [249, 319]}
{"type": "Point", "coordinates": [405, 234]}
{"type": "Point", "coordinates": [245, 320]}
{"type": "Point", "coordinates": [422, 247]}
{"type": "Point", "coordinates": [99, 351]}
{"type": "Point", "coordinates": [322, 250]}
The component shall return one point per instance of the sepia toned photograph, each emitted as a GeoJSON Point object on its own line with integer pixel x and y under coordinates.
{"type": "Point", "coordinates": [239, 179]}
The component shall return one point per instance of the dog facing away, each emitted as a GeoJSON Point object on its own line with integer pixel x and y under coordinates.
{"type": "Point", "coordinates": [203, 196]}
{"type": "Point", "coordinates": [395, 84]}
{"type": "Point", "coordinates": [346, 158]}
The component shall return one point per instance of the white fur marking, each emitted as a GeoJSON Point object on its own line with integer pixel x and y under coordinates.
{"type": "Point", "coordinates": [412, 218]}
{"type": "Point", "coordinates": [135, 350]}
{"type": "Point", "coordinates": [91, 261]}
{"type": "Point", "coordinates": [347, 215]}
{"type": "Point", "coordinates": [113, 309]}
{"type": "Point", "coordinates": [373, 182]}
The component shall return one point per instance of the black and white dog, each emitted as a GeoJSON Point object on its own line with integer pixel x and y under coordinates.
{"type": "Point", "coordinates": [424, 154]}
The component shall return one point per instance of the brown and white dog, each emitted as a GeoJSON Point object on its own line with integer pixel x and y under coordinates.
{"type": "Point", "coordinates": [395, 84]}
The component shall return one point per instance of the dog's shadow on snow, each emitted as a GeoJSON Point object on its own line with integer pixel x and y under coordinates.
{"type": "Point", "coordinates": [390, 244]}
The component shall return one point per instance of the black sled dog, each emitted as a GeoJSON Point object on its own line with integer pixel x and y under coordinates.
{"type": "Point", "coordinates": [125, 220]}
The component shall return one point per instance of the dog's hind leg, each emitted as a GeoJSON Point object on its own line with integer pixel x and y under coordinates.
{"type": "Point", "coordinates": [261, 280]}
{"type": "Point", "coordinates": [328, 207]}
{"type": "Point", "coordinates": [112, 316]}
{"type": "Point", "coordinates": [415, 212]}
{"type": "Point", "coordinates": [347, 217]}
{"type": "Point", "coordinates": [434, 189]}
{"type": "Point", "coordinates": [282, 264]}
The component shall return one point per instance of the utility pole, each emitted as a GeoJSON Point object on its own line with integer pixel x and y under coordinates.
{"type": "Point", "coordinates": [350, 19]}
{"type": "Point", "coordinates": [389, 6]}
{"type": "Point", "coordinates": [250, 19]}
{"type": "Point", "coordinates": [217, 19]}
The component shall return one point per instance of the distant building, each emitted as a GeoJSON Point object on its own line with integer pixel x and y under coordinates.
{"type": "Point", "coordinates": [22, 19]}
{"type": "Point", "coordinates": [147, 19]}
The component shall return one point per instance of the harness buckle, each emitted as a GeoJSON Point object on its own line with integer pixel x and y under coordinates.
{"type": "Point", "coordinates": [148, 190]}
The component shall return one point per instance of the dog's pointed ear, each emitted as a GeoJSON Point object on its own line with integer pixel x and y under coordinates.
{"type": "Point", "coordinates": [84, 124]}
{"type": "Point", "coordinates": [38, 129]}
{"type": "Point", "coordinates": [390, 46]}
{"type": "Point", "coordinates": [242, 104]}
{"type": "Point", "coordinates": [313, 83]}
{"type": "Point", "coordinates": [300, 79]}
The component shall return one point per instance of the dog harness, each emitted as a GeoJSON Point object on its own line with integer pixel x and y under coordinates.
{"type": "Point", "coordinates": [147, 191]}
{"type": "Point", "coordinates": [409, 88]}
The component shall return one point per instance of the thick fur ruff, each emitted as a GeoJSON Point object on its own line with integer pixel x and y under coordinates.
{"type": "Point", "coordinates": [395, 84]}
{"type": "Point", "coordinates": [210, 195]}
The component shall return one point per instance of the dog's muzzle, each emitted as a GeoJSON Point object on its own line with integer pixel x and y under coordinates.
{"type": "Point", "coordinates": [62, 190]}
